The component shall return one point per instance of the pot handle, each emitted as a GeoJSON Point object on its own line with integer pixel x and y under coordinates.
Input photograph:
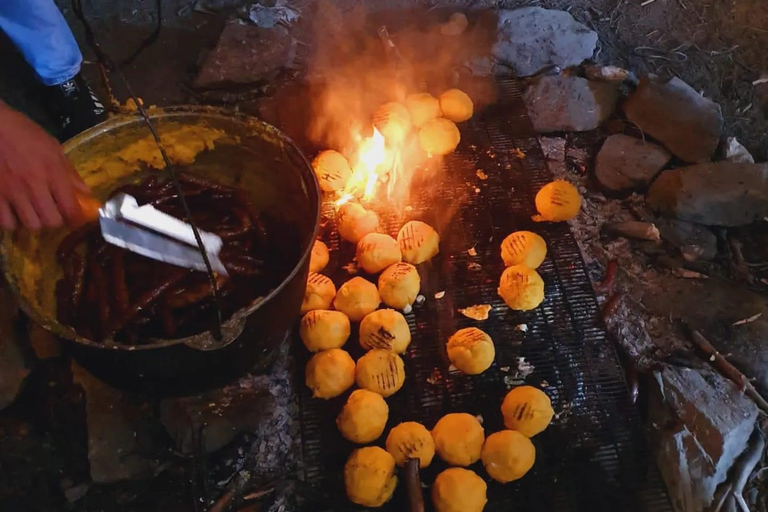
{"type": "Point", "coordinates": [230, 331]}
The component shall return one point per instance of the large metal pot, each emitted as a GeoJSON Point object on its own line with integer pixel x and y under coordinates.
{"type": "Point", "coordinates": [231, 148]}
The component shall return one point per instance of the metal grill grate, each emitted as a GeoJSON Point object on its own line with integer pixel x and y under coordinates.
{"type": "Point", "coordinates": [594, 456]}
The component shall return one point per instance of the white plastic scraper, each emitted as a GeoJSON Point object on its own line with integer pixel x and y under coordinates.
{"type": "Point", "coordinates": [147, 231]}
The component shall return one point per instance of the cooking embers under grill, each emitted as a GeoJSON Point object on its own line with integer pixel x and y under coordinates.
{"type": "Point", "coordinates": [595, 455]}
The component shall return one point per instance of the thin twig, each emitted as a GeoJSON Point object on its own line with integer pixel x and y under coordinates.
{"type": "Point", "coordinates": [235, 487]}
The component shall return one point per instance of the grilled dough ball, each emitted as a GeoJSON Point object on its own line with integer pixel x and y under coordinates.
{"type": "Point", "coordinates": [319, 257]}
{"type": "Point", "coordinates": [459, 490]}
{"type": "Point", "coordinates": [399, 285]}
{"type": "Point", "coordinates": [410, 440]}
{"type": "Point", "coordinates": [321, 329]}
{"type": "Point", "coordinates": [356, 298]}
{"type": "Point", "coordinates": [521, 288]}
{"type": "Point", "coordinates": [456, 105]}
{"type": "Point", "coordinates": [471, 350]}
{"type": "Point", "coordinates": [387, 329]}
{"type": "Point", "coordinates": [319, 293]}
{"type": "Point", "coordinates": [330, 373]}
{"type": "Point", "coordinates": [527, 410]}
{"type": "Point", "coordinates": [393, 121]}
{"type": "Point", "coordinates": [363, 417]}
{"type": "Point", "coordinates": [332, 170]}
{"type": "Point", "coordinates": [377, 251]}
{"type": "Point", "coordinates": [439, 136]}
{"type": "Point", "coordinates": [354, 222]}
{"type": "Point", "coordinates": [508, 455]}
{"type": "Point", "coordinates": [558, 201]}
{"type": "Point", "coordinates": [458, 439]}
{"type": "Point", "coordinates": [523, 248]}
{"type": "Point", "coordinates": [369, 476]}
{"type": "Point", "coordinates": [380, 371]}
{"type": "Point", "coordinates": [423, 108]}
{"type": "Point", "coordinates": [419, 242]}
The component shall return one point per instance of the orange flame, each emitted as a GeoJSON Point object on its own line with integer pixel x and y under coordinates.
{"type": "Point", "coordinates": [368, 168]}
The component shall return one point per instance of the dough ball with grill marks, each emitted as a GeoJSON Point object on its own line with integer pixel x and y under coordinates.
{"type": "Point", "coordinates": [459, 490]}
{"type": "Point", "coordinates": [439, 137]}
{"type": "Point", "coordinates": [369, 476]}
{"type": "Point", "coordinates": [364, 416]}
{"type": "Point", "coordinates": [456, 105]}
{"type": "Point", "coordinates": [354, 222]}
{"type": "Point", "coordinates": [381, 371]}
{"type": "Point", "coordinates": [393, 121]}
{"type": "Point", "coordinates": [423, 107]}
{"type": "Point", "coordinates": [558, 201]}
{"type": "Point", "coordinates": [356, 298]}
{"type": "Point", "coordinates": [332, 170]}
{"type": "Point", "coordinates": [319, 257]}
{"type": "Point", "coordinates": [419, 242]}
{"type": "Point", "coordinates": [411, 440]}
{"type": "Point", "coordinates": [399, 285]}
{"type": "Point", "coordinates": [458, 439]}
{"type": "Point", "coordinates": [377, 251]}
{"type": "Point", "coordinates": [527, 410]}
{"type": "Point", "coordinates": [319, 293]}
{"type": "Point", "coordinates": [330, 373]}
{"type": "Point", "coordinates": [521, 288]}
{"type": "Point", "coordinates": [387, 329]}
{"type": "Point", "coordinates": [471, 350]}
{"type": "Point", "coordinates": [508, 455]}
{"type": "Point", "coordinates": [321, 329]}
{"type": "Point", "coordinates": [523, 248]}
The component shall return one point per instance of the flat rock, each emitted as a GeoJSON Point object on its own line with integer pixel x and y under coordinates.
{"type": "Point", "coordinates": [246, 55]}
{"type": "Point", "coordinates": [693, 240]}
{"type": "Point", "coordinates": [13, 365]}
{"type": "Point", "coordinates": [714, 194]}
{"type": "Point", "coordinates": [684, 121]}
{"type": "Point", "coordinates": [625, 163]}
{"type": "Point", "coordinates": [569, 103]}
{"type": "Point", "coordinates": [532, 38]}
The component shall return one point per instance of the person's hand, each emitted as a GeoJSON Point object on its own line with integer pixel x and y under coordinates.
{"type": "Point", "coordinates": [38, 185]}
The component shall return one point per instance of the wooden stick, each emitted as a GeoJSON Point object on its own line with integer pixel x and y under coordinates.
{"type": "Point", "coordinates": [722, 365]}
{"type": "Point", "coordinates": [413, 486]}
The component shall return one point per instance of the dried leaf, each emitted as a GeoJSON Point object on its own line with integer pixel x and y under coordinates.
{"type": "Point", "coordinates": [440, 295]}
{"type": "Point", "coordinates": [474, 266]}
{"type": "Point", "coordinates": [472, 251]}
{"type": "Point", "coordinates": [518, 153]}
{"type": "Point", "coordinates": [481, 174]}
{"type": "Point", "coordinates": [478, 312]}
{"type": "Point", "coordinates": [748, 320]}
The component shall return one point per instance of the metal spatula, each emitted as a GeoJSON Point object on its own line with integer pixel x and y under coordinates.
{"type": "Point", "coordinates": [147, 231]}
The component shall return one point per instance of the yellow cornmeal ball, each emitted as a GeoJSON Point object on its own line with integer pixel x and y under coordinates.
{"type": "Point", "coordinates": [332, 170]}
{"type": "Point", "coordinates": [558, 201]}
{"type": "Point", "coordinates": [523, 248]}
{"type": "Point", "coordinates": [393, 121]}
{"type": "Point", "coordinates": [369, 476]}
{"type": "Point", "coordinates": [471, 350]}
{"type": "Point", "coordinates": [411, 440]}
{"type": "Point", "coordinates": [456, 105]}
{"type": "Point", "coordinates": [439, 136]}
{"type": "Point", "coordinates": [423, 108]}
{"type": "Point", "coordinates": [354, 222]}
{"type": "Point", "coordinates": [387, 329]}
{"type": "Point", "coordinates": [459, 490]}
{"type": "Point", "coordinates": [521, 288]}
{"type": "Point", "coordinates": [377, 251]}
{"type": "Point", "coordinates": [508, 455]}
{"type": "Point", "coordinates": [458, 439]}
{"type": "Point", "coordinates": [363, 417]}
{"type": "Point", "coordinates": [330, 373]}
{"type": "Point", "coordinates": [399, 285]}
{"type": "Point", "coordinates": [527, 410]}
{"type": "Point", "coordinates": [380, 371]}
{"type": "Point", "coordinates": [419, 242]}
{"type": "Point", "coordinates": [357, 298]}
{"type": "Point", "coordinates": [321, 329]}
{"type": "Point", "coordinates": [319, 293]}
{"type": "Point", "coordinates": [319, 257]}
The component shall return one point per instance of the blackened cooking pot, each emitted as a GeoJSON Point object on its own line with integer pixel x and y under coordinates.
{"type": "Point", "coordinates": [233, 149]}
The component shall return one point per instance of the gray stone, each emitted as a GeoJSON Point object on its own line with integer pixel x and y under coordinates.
{"type": "Point", "coordinates": [685, 122]}
{"type": "Point", "coordinates": [715, 194]}
{"type": "Point", "coordinates": [568, 103]}
{"type": "Point", "coordinates": [702, 422]}
{"type": "Point", "coordinates": [246, 55]}
{"type": "Point", "coordinates": [735, 152]}
{"type": "Point", "coordinates": [532, 38]}
{"type": "Point", "coordinates": [13, 366]}
{"type": "Point", "coordinates": [625, 163]}
{"type": "Point", "coordinates": [693, 240]}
